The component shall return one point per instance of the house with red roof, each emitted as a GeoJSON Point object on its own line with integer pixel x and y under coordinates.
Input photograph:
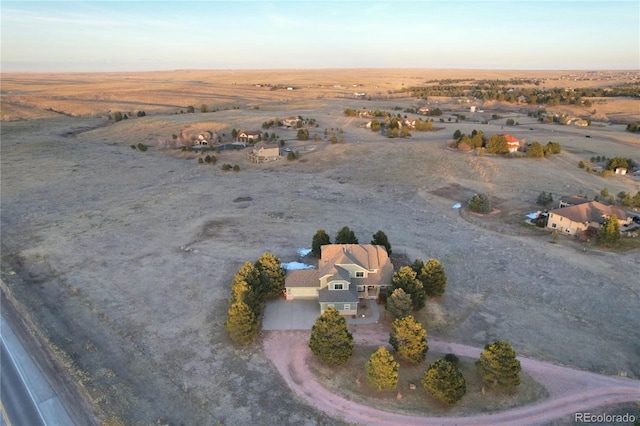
{"type": "Point", "coordinates": [512, 142]}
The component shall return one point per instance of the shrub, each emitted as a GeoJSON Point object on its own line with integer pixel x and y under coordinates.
{"type": "Point", "coordinates": [452, 358]}
{"type": "Point", "coordinates": [133, 147]}
{"type": "Point", "coordinates": [480, 203]}
{"type": "Point", "coordinates": [142, 147]}
{"type": "Point", "coordinates": [226, 167]}
{"type": "Point", "coordinates": [236, 168]}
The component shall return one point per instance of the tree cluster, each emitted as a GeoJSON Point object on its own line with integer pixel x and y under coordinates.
{"type": "Point", "coordinates": [251, 286]}
{"type": "Point", "coordinates": [346, 236]}
{"type": "Point", "coordinates": [431, 275]}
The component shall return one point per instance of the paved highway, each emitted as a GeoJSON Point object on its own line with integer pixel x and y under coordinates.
{"type": "Point", "coordinates": [17, 403]}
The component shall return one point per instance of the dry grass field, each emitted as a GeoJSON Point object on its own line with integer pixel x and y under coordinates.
{"type": "Point", "coordinates": [123, 258]}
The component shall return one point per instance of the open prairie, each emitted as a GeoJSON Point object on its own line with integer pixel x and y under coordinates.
{"type": "Point", "coordinates": [122, 259]}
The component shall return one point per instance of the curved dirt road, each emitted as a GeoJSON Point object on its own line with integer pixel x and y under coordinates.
{"type": "Point", "coordinates": [570, 390]}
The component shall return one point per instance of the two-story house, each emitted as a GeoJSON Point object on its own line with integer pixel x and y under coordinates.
{"type": "Point", "coordinates": [346, 273]}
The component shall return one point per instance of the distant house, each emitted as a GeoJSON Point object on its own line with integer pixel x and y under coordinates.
{"type": "Point", "coordinates": [512, 142]}
{"type": "Point", "coordinates": [573, 200]}
{"type": "Point", "coordinates": [621, 171]}
{"type": "Point", "coordinates": [407, 122]}
{"type": "Point", "coordinates": [423, 110]}
{"type": "Point", "coordinates": [346, 273]}
{"type": "Point", "coordinates": [249, 135]}
{"type": "Point", "coordinates": [290, 121]}
{"type": "Point", "coordinates": [262, 153]}
{"type": "Point", "coordinates": [577, 218]}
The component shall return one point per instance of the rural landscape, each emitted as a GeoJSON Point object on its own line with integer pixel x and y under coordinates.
{"type": "Point", "coordinates": [130, 201]}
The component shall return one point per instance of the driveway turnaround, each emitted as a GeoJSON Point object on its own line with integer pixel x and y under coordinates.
{"type": "Point", "coordinates": [570, 391]}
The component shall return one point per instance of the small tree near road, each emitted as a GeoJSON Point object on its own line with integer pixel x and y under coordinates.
{"type": "Point", "coordinates": [382, 370]}
{"type": "Point", "coordinates": [498, 365]}
{"type": "Point", "coordinates": [444, 381]}
{"type": "Point", "coordinates": [399, 303]}
{"type": "Point", "coordinates": [380, 239]}
{"type": "Point", "coordinates": [320, 239]}
{"type": "Point", "coordinates": [330, 339]}
{"type": "Point", "coordinates": [409, 339]}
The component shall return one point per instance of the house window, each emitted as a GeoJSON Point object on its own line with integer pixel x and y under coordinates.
{"type": "Point", "coordinates": [347, 307]}
{"type": "Point", "coordinates": [553, 225]}
{"type": "Point", "coordinates": [359, 274]}
{"type": "Point", "coordinates": [337, 286]}
{"type": "Point", "coordinates": [360, 288]}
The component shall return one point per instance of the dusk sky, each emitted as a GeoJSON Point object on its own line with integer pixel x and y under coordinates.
{"type": "Point", "coordinates": [156, 35]}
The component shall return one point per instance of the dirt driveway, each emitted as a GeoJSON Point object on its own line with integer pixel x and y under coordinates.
{"type": "Point", "coordinates": [570, 391]}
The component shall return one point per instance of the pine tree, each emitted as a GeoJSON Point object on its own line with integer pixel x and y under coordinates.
{"type": "Point", "coordinates": [380, 239]}
{"type": "Point", "coordinates": [399, 303]}
{"type": "Point", "coordinates": [248, 276]}
{"type": "Point", "coordinates": [433, 278]}
{"type": "Point", "coordinates": [241, 323]}
{"type": "Point", "coordinates": [444, 381]}
{"type": "Point", "coordinates": [346, 236]}
{"type": "Point", "coordinates": [330, 340]}
{"type": "Point", "coordinates": [498, 365]}
{"type": "Point", "coordinates": [409, 339]}
{"type": "Point", "coordinates": [320, 239]}
{"type": "Point", "coordinates": [609, 232]}
{"type": "Point", "coordinates": [406, 279]}
{"type": "Point", "coordinates": [382, 370]}
{"type": "Point", "coordinates": [271, 276]}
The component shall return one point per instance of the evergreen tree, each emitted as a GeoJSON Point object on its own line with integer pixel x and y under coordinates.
{"type": "Point", "coordinates": [406, 279]}
{"type": "Point", "coordinates": [380, 239]}
{"type": "Point", "coordinates": [433, 278]}
{"type": "Point", "coordinates": [535, 150]}
{"type": "Point", "coordinates": [346, 236]}
{"type": "Point", "coordinates": [497, 145]}
{"type": "Point", "coordinates": [241, 323]}
{"type": "Point", "coordinates": [248, 275]}
{"type": "Point", "coordinates": [444, 381]}
{"type": "Point", "coordinates": [480, 203]}
{"type": "Point", "coordinates": [382, 370]}
{"type": "Point", "coordinates": [609, 232]}
{"type": "Point", "coordinates": [409, 339]}
{"type": "Point", "coordinates": [271, 276]}
{"type": "Point", "coordinates": [320, 239]}
{"type": "Point", "coordinates": [498, 365]}
{"type": "Point", "coordinates": [399, 303]}
{"type": "Point", "coordinates": [330, 340]}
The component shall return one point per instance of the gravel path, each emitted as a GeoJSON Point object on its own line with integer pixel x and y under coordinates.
{"type": "Point", "coordinates": [570, 390]}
